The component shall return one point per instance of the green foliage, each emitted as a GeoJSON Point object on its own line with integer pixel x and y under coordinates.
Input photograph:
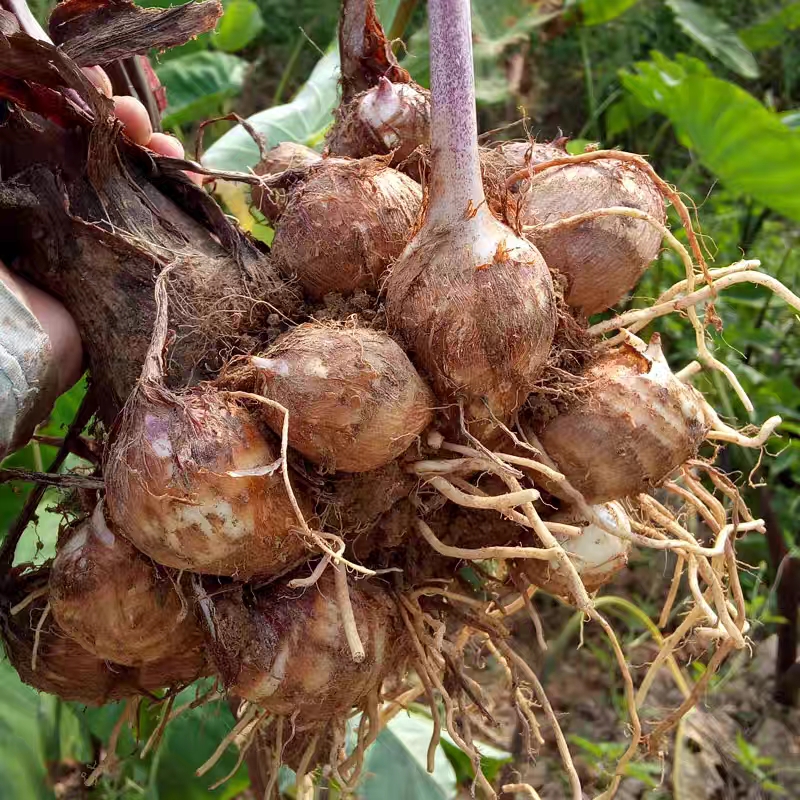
{"type": "Point", "coordinates": [716, 36]}
{"type": "Point", "coordinates": [35, 730]}
{"type": "Point", "coordinates": [395, 766]}
{"type": "Point", "coordinates": [36, 456]}
{"type": "Point", "coordinates": [497, 27]}
{"type": "Point", "coordinates": [741, 141]}
{"type": "Point", "coordinates": [492, 760]}
{"type": "Point", "coordinates": [773, 29]}
{"type": "Point", "coordinates": [303, 120]}
{"type": "Point", "coordinates": [240, 24]}
{"type": "Point", "coordinates": [604, 757]}
{"type": "Point", "coordinates": [761, 768]}
{"type": "Point", "coordinates": [166, 774]}
{"type": "Point", "coordinates": [596, 12]}
{"type": "Point", "coordinates": [198, 84]}
{"type": "Point", "coordinates": [202, 76]}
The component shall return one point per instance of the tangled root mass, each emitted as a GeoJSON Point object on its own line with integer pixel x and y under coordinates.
{"type": "Point", "coordinates": [292, 515]}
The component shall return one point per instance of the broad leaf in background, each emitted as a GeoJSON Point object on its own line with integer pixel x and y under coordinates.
{"type": "Point", "coordinates": [198, 84]}
{"type": "Point", "coordinates": [737, 138]}
{"type": "Point", "coordinates": [715, 35]}
{"type": "Point", "coordinates": [497, 25]}
{"type": "Point", "coordinates": [773, 29]}
{"type": "Point", "coordinates": [791, 119]}
{"type": "Point", "coordinates": [303, 120]}
{"type": "Point", "coordinates": [396, 765]}
{"type": "Point", "coordinates": [189, 739]}
{"type": "Point", "coordinates": [240, 24]}
{"type": "Point", "coordinates": [596, 12]}
{"type": "Point", "coordinates": [623, 114]}
{"type": "Point", "coordinates": [196, 45]}
{"type": "Point", "coordinates": [38, 544]}
{"type": "Point", "coordinates": [492, 759]}
{"type": "Point", "coordinates": [34, 729]}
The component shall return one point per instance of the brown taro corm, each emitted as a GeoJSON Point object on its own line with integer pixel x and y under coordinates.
{"type": "Point", "coordinates": [286, 649]}
{"type": "Point", "coordinates": [287, 157]}
{"type": "Point", "coordinates": [344, 225]}
{"type": "Point", "coordinates": [194, 481]}
{"type": "Point", "coordinates": [473, 302]}
{"type": "Point", "coordinates": [354, 399]}
{"type": "Point", "coordinates": [604, 258]}
{"type": "Point", "coordinates": [114, 601]}
{"type": "Point", "coordinates": [632, 426]}
{"type": "Point", "coordinates": [64, 668]}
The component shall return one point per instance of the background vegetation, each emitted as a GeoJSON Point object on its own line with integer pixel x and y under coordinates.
{"type": "Point", "coordinates": [709, 91]}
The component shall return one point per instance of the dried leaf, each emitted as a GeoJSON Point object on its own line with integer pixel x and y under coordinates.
{"type": "Point", "coordinates": [101, 31]}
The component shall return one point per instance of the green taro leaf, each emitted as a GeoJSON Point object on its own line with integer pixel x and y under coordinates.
{"type": "Point", "coordinates": [34, 729]}
{"type": "Point", "coordinates": [577, 146]}
{"type": "Point", "coordinates": [791, 119]}
{"type": "Point", "coordinates": [188, 741]}
{"type": "Point", "coordinates": [741, 141]}
{"type": "Point", "coordinates": [395, 766]}
{"type": "Point", "coordinates": [304, 120]}
{"type": "Point", "coordinates": [198, 84]}
{"type": "Point", "coordinates": [240, 24]}
{"type": "Point", "coordinates": [596, 12]}
{"type": "Point", "coordinates": [492, 759]}
{"type": "Point", "coordinates": [169, 772]}
{"type": "Point", "coordinates": [624, 114]}
{"type": "Point", "coordinates": [772, 31]}
{"type": "Point", "coordinates": [715, 35]}
{"type": "Point", "coordinates": [38, 543]}
{"type": "Point", "coordinates": [499, 24]}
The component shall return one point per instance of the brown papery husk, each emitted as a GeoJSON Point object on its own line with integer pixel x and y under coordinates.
{"type": "Point", "coordinates": [602, 259]}
{"type": "Point", "coordinates": [631, 424]}
{"type": "Point", "coordinates": [66, 669]}
{"type": "Point", "coordinates": [344, 225]}
{"type": "Point", "coordinates": [78, 199]}
{"type": "Point", "coordinates": [285, 649]}
{"type": "Point", "coordinates": [390, 118]}
{"type": "Point", "coordinates": [476, 308]}
{"type": "Point", "coordinates": [286, 157]}
{"type": "Point", "coordinates": [169, 492]}
{"type": "Point", "coordinates": [500, 161]}
{"type": "Point", "coordinates": [355, 400]}
{"type": "Point", "coordinates": [114, 601]}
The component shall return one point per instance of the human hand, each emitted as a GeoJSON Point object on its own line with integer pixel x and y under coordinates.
{"type": "Point", "coordinates": [52, 316]}
{"type": "Point", "coordinates": [58, 359]}
{"type": "Point", "coordinates": [136, 121]}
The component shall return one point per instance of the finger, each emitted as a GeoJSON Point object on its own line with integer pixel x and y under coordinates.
{"type": "Point", "coordinates": [166, 145]}
{"type": "Point", "coordinates": [100, 79]}
{"type": "Point", "coordinates": [134, 117]}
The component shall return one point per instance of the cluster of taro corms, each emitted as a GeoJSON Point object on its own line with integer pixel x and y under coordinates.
{"type": "Point", "coordinates": [307, 446]}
